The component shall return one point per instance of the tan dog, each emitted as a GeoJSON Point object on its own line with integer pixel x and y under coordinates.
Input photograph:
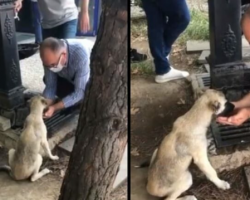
{"type": "Point", "coordinates": [168, 174]}
{"type": "Point", "coordinates": [25, 161]}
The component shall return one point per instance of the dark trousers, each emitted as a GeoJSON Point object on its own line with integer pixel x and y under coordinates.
{"type": "Point", "coordinates": [64, 31]}
{"type": "Point", "coordinates": [64, 87]}
{"type": "Point", "coordinates": [166, 19]}
{"type": "Point", "coordinates": [36, 19]}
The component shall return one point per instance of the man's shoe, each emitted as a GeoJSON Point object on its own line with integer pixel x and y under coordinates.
{"type": "Point", "coordinates": [173, 74]}
{"type": "Point", "coordinates": [137, 57]}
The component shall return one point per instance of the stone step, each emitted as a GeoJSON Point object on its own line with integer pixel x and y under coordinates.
{"type": "Point", "coordinates": [194, 46]}
{"type": "Point", "coordinates": [205, 53]}
{"type": "Point", "coordinates": [4, 123]}
{"type": "Point", "coordinates": [67, 146]}
{"type": "Point", "coordinates": [202, 58]}
{"type": "Point", "coordinates": [123, 171]}
{"type": "Point", "coordinates": [207, 67]}
{"type": "Point", "coordinates": [137, 12]}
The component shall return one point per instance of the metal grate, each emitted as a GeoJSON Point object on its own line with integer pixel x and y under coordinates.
{"type": "Point", "coordinates": [206, 81]}
{"type": "Point", "coordinates": [203, 80]}
{"type": "Point", "coordinates": [225, 135]}
{"type": "Point", "coordinates": [58, 119]}
{"type": "Point", "coordinates": [230, 135]}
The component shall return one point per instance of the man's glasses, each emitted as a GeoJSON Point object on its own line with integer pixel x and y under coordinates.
{"type": "Point", "coordinates": [55, 65]}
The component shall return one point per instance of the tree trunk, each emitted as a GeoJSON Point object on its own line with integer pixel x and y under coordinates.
{"type": "Point", "coordinates": [101, 135]}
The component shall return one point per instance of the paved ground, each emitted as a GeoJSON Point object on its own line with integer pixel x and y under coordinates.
{"type": "Point", "coordinates": [48, 187]}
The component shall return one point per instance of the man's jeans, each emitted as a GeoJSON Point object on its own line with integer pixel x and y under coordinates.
{"type": "Point", "coordinates": [64, 31]}
{"type": "Point", "coordinates": [36, 19]}
{"type": "Point", "coordinates": [166, 19]}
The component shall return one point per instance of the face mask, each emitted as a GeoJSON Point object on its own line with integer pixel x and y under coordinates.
{"type": "Point", "coordinates": [58, 68]}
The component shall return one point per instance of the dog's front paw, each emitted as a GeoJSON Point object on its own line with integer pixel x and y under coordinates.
{"type": "Point", "coordinates": [54, 158]}
{"type": "Point", "coordinates": [190, 197]}
{"type": "Point", "coordinates": [223, 185]}
{"type": "Point", "coordinates": [46, 171]}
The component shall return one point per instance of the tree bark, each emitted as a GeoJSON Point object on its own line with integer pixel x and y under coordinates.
{"type": "Point", "coordinates": [101, 135]}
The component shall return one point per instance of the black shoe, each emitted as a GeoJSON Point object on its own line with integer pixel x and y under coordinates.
{"type": "Point", "coordinates": [137, 57]}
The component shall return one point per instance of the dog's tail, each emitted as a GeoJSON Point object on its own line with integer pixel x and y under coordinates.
{"type": "Point", "coordinates": [6, 169]}
{"type": "Point", "coordinates": [143, 165]}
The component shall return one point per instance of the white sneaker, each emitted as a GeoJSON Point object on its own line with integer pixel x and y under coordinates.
{"type": "Point", "coordinates": [173, 74]}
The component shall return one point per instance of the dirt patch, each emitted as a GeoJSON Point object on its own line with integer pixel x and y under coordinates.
{"type": "Point", "coordinates": [154, 118]}
{"type": "Point", "coordinates": [205, 190]}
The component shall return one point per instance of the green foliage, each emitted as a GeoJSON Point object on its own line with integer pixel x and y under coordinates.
{"type": "Point", "coordinates": [198, 29]}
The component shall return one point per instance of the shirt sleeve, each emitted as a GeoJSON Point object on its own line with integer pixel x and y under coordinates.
{"type": "Point", "coordinates": [50, 84]}
{"type": "Point", "coordinates": [80, 82]}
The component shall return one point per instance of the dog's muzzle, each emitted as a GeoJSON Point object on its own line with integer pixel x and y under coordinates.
{"type": "Point", "coordinates": [229, 107]}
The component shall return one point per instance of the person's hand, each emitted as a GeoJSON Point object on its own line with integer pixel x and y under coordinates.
{"type": "Point", "coordinates": [84, 22]}
{"type": "Point", "coordinates": [238, 118]}
{"type": "Point", "coordinates": [223, 120]}
{"type": "Point", "coordinates": [18, 5]}
{"type": "Point", "coordinates": [49, 112]}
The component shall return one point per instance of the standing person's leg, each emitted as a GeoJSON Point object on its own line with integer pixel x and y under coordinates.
{"type": "Point", "coordinates": [68, 29]}
{"type": "Point", "coordinates": [64, 31]}
{"type": "Point", "coordinates": [177, 21]}
{"type": "Point", "coordinates": [36, 18]}
{"type": "Point", "coordinates": [52, 32]}
{"type": "Point", "coordinates": [156, 22]}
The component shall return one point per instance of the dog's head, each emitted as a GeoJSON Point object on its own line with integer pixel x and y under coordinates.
{"type": "Point", "coordinates": [218, 103]}
{"type": "Point", "coordinates": [38, 101]}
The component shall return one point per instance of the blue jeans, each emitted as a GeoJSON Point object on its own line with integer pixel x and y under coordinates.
{"type": "Point", "coordinates": [36, 19]}
{"type": "Point", "coordinates": [64, 31]}
{"type": "Point", "coordinates": [166, 19]}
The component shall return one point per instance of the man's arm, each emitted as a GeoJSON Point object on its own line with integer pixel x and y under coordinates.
{"type": "Point", "coordinates": [245, 24]}
{"type": "Point", "coordinates": [85, 6]}
{"type": "Point", "coordinates": [18, 5]}
{"type": "Point", "coordinates": [80, 82]}
{"type": "Point", "coordinates": [243, 103]}
{"type": "Point", "coordinates": [84, 22]}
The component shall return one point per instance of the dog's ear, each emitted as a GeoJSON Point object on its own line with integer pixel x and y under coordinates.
{"type": "Point", "coordinates": [199, 92]}
{"type": "Point", "coordinates": [29, 101]}
{"type": "Point", "coordinates": [214, 106]}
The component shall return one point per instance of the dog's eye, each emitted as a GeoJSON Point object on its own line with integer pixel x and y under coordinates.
{"type": "Point", "coordinates": [217, 106]}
